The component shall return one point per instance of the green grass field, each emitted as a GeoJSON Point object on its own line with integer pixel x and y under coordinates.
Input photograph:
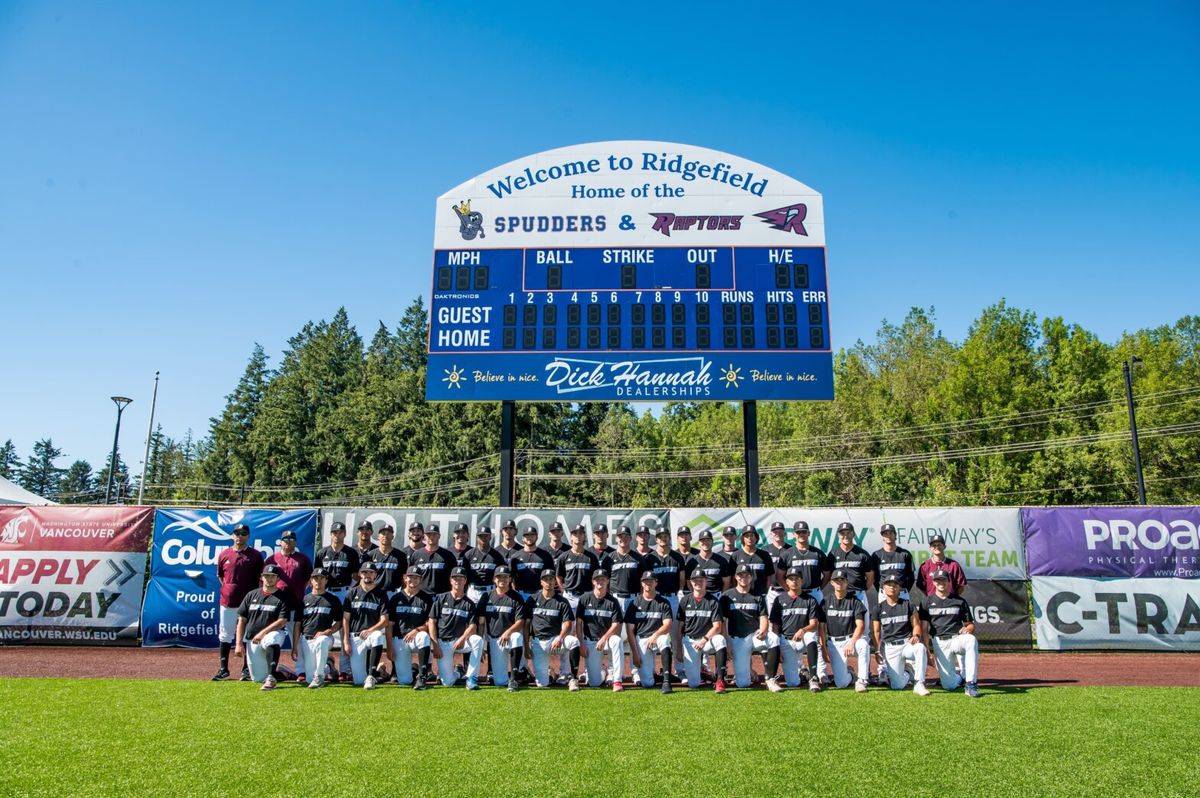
{"type": "Point", "coordinates": [131, 738]}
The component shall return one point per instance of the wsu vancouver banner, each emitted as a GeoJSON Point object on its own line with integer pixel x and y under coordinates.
{"type": "Point", "coordinates": [181, 599]}
{"type": "Point", "coordinates": [72, 575]}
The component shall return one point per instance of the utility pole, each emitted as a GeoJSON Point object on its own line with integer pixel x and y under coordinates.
{"type": "Point", "coordinates": [121, 402]}
{"type": "Point", "coordinates": [1127, 368]}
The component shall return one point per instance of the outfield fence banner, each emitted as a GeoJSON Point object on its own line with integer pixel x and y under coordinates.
{"type": "Point", "coordinates": [1072, 613]}
{"type": "Point", "coordinates": [986, 541]}
{"type": "Point", "coordinates": [1001, 610]}
{"type": "Point", "coordinates": [181, 600]}
{"type": "Point", "coordinates": [1142, 542]}
{"type": "Point", "coordinates": [72, 575]}
{"type": "Point", "coordinates": [494, 517]}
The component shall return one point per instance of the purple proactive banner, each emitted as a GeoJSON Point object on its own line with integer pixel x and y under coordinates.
{"type": "Point", "coordinates": [1142, 542]}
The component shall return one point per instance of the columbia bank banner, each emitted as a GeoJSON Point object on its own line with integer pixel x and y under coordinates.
{"type": "Point", "coordinates": [72, 575]}
{"type": "Point", "coordinates": [1142, 542]}
{"type": "Point", "coordinates": [986, 541]}
{"type": "Point", "coordinates": [1072, 613]}
{"type": "Point", "coordinates": [181, 599]}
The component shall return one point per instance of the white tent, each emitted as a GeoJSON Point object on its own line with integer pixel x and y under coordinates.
{"type": "Point", "coordinates": [15, 494]}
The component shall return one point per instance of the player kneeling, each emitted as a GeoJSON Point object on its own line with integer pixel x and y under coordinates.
{"type": "Point", "coordinates": [845, 634]}
{"type": "Point", "coordinates": [502, 615]}
{"type": "Point", "coordinates": [749, 633]}
{"type": "Point", "coordinates": [796, 618]}
{"type": "Point", "coordinates": [408, 611]}
{"type": "Point", "coordinates": [550, 622]}
{"type": "Point", "coordinates": [262, 616]}
{"type": "Point", "coordinates": [598, 625]}
{"type": "Point", "coordinates": [898, 636]}
{"type": "Point", "coordinates": [701, 626]}
{"type": "Point", "coordinates": [364, 625]}
{"type": "Point", "coordinates": [319, 621]}
{"type": "Point", "coordinates": [452, 624]}
{"type": "Point", "coordinates": [648, 620]}
{"type": "Point", "coordinates": [948, 626]}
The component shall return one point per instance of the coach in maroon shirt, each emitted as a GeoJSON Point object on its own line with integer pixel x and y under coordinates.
{"type": "Point", "coordinates": [238, 570]}
{"type": "Point", "coordinates": [294, 566]}
{"type": "Point", "coordinates": [939, 561]}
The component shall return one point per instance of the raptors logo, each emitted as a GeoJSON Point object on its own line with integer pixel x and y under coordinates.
{"type": "Point", "coordinates": [787, 219]}
{"type": "Point", "coordinates": [470, 223]}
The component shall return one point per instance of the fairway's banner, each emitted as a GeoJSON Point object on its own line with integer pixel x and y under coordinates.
{"type": "Point", "coordinates": [1146, 542]}
{"type": "Point", "coordinates": [1141, 614]}
{"type": "Point", "coordinates": [72, 575]}
{"type": "Point", "coordinates": [181, 599]}
{"type": "Point", "coordinates": [448, 518]}
{"type": "Point", "coordinates": [986, 541]}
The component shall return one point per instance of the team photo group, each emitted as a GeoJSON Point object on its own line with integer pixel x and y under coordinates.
{"type": "Point", "coordinates": [651, 611]}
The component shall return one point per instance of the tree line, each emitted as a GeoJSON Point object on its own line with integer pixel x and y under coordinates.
{"type": "Point", "coordinates": [1022, 411]}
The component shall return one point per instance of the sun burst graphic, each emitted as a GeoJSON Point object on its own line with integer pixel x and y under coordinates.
{"type": "Point", "coordinates": [731, 376]}
{"type": "Point", "coordinates": [453, 378]}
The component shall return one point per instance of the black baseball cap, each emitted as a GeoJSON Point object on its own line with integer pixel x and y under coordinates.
{"type": "Point", "coordinates": [729, 530]}
{"type": "Point", "coordinates": [839, 574]}
{"type": "Point", "coordinates": [937, 539]}
{"type": "Point", "coordinates": [271, 570]}
{"type": "Point", "coordinates": [750, 529]}
{"type": "Point", "coordinates": [414, 572]}
{"type": "Point", "coordinates": [578, 530]}
{"type": "Point", "coordinates": [338, 526]}
{"type": "Point", "coordinates": [461, 527]}
{"type": "Point", "coordinates": [778, 526]}
{"type": "Point", "coordinates": [845, 526]}
{"type": "Point", "coordinates": [417, 526]}
{"type": "Point", "coordinates": [509, 524]}
{"type": "Point", "coordinates": [547, 573]}
{"type": "Point", "coordinates": [556, 527]}
{"type": "Point", "coordinates": [529, 530]}
{"type": "Point", "coordinates": [483, 530]}
{"type": "Point", "coordinates": [683, 529]}
{"type": "Point", "coordinates": [624, 530]}
{"type": "Point", "coordinates": [600, 529]}
{"type": "Point", "coordinates": [368, 565]}
{"type": "Point", "coordinates": [887, 529]}
{"type": "Point", "coordinates": [502, 570]}
{"type": "Point", "coordinates": [241, 529]}
{"type": "Point", "coordinates": [698, 574]}
{"type": "Point", "coordinates": [743, 569]}
{"type": "Point", "coordinates": [794, 571]}
{"type": "Point", "coordinates": [705, 534]}
{"type": "Point", "coordinates": [458, 572]}
{"type": "Point", "coordinates": [643, 530]}
{"type": "Point", "coordinates": [662, 532]}
{"type": "Point", "coordinates": [367, 525]}
{"type": "Point", "coordinates": [434, 529]}
{"type": "Point", "coordinates": [649, 576]}
{"type": "Point", "coordinates": [599, 573]}
{"type": "Point", "coordinates": [941, 574]}
{"type": "Point", "coordinates": [800, 526]}
{"type": "Point", "coordinates": [288, 535]}
{"type": "Point", "coordinates": [891, 576]}
{"type": "Point", "coordinates": [319, 572]}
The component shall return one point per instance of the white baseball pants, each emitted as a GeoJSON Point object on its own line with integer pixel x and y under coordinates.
{"type": "Point", "coordinates": [402, 654]}
{"type": "Point", "coordinates": [693, 656]}
{"type": "Point", "coordinates": [474, 651]}
{"type": "Point", "coordinates": [615, 649]}
{"type": "Point", "coordinates": [894, 657]}
{"type": "Point", "coordinates": [358, 653]}
{"type": "Point", "coordinates": [256, 654]}
{"type": "Point", "coordinates": [945, 651]}
{"type": "Point", "coordinates": [542, 654]}
{"type": "Point", "coordinates": [498, 657]}
{"type": "Point", "coordinates": [792, 657]}
{"type": "Point", "coordinates": [838, 661]}
{"type": "Point", "coordinates": [742, 647]}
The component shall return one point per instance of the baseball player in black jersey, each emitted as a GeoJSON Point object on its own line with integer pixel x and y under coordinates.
{"type": "Point", "coordinates": [557, 547]}
{"type": "Point", "coordinates": [845, 634]}
{"type": "Point", "coordinates": [365, 545]}
{"type": "Point", "coordinates": [390, 562]}
{"type": "Point", "coordinates": [501, 614]}
{"type": "Point", "coordinates": [408, 616]}
{"type": "Point", "coordinates": [892, 558]}
{"type": "Point", "coordinates": [746, 619]}
{"type": "Point", "coordinates": [528, 564]}
{"type": "Point", "coordinates": [796, 618]}
{"type": "Point", "coordinates": [667, 564]}
{"type": "Point", "coordinates": [599, 618]}
{"type": "Point", "coordinates": [481, 564]}
{"type": "Point", "coordinates": [777, 547]}
{"type": "Point", "coordinates": [364, 626]}
{"type": "Point", "coordinates": [700, 626]}
{"type": "Point", "coordinates": [948, 628]}
{"type": "Point", "coordinates": [550, 622]}
{"type": "Point", "coordinates": [729, 544]}
{"type": "Point", "coordinates": [860, 574]}
{"type": "Point", "coordinates": [319, 623]}
{"type": "Point", "coordinates": [341, 563]}
{"type": "Point", "coordinates": [600, 545]}
{"type": "Point", "coordinates": [575, 567]}
{"type": "Point", "coordinates": [641, 542]}
{"type": "Point", "coordinates": [508, 545]}
{"type": "Point", "coordinates": [262, 617]}
{"type": "Point", "coordinates": [756, 560]}
{"type": "Point", "coordinates": [897, 631]}
{"type": "Point", "coordinates": [814, 565]}
{"type": "Point", "coordinates": [683, 545]}
{"type": "Point", "coordinates": [717, 573]}
{"type": "Point", "coordinates": [416, 540]}
{"type": "Point", "coordinates": [649, 620]}
{"type": "Point", "coordinates": [624, 567]}
{"type": "Point", "coordinates": [462, 544]}
{"type": "Point", "coordinates": [435, 562]}
{"type": "Point", "coordinates": [452, 624]}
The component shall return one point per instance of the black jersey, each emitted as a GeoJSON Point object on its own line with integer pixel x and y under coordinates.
{"type": "Point", "coordinates": [558, 551]}
{"type": "Point", "coordinates": [899, 562]}
{"type": "Point", "coordinates": [391, 568]}
{"type": "Point", "coordinates": [452, 615]}
{"type": "Point", "coordinates": [498, 612]}
{"type": "Point", "coordinates": [527, 567]}
{"type": "Point", "coordinates": [601, 552]}
{"type": "Point", "coordinates": [598, 614]}
{"type": "Point", "coordinates": [946, 616]}
{"type": "Point", "coordinates": [776, 553]}
{"type": "Point", "coordinates": [742, 611]}
{"type": "Point", "coordinates": [895, 622]}
{"type": "Point", "coordinates": [624, 572]}
{"type": "Point", "coordinates": [435, 567]}
{"type": "Point", "coordinates": [342, 565]}
{"type": "Point", "coordinates": [647, 615]}
{"type": "Point", "coordinates": [575, 570]}
{"type": "Point", "coordinates": [320, 613]}
{"type": "Point", "coordinates": [481, 566]}
{"type": "Point", "coordinates": [812, 561]}
{"type": "Point", "coordinates": [365, 608]}
{"type": "Point", "coordinates": [546, 615]}
{"type": "Point", "coordinates": [261, 609]}
{"type": "Point", "coordinates": [667, 568]}
{"type": "Point", "coordinates": [715, 569]}
{"type": "Point", "coordinates": [408, 612]}
{"type": "Point", "coordinates": [759, 562]}
{"type": "Point", "coordinates": [793, 614]}
{"type": "Point", "coordinates": [856, 563]}
{"type": "Point", "coordinates": [460, 557]}
{"type": "Point", "coordinates": [506, 552]}
{"type": "Point", "coordinates": [841, 614]}
{"type": "Point", "coordinates": [364, 554]}
{"type": "Point", "coordinates": [697, 616]}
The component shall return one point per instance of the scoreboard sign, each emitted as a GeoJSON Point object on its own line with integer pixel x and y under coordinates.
{"type": "Point", "coordinates": [629, 271]}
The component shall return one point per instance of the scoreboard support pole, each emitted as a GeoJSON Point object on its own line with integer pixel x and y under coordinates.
{"type": "Point", "coordinates": [750, 445]}
{"type": "Point", "coordinates": [508, 423]}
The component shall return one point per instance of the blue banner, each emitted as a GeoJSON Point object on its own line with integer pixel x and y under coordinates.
{"type": "Point", "coordinates": [181, 600]}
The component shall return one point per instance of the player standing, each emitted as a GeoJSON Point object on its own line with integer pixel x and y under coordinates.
{"type": "Point", "coordinates": [701, 627]}
{"type": "Point", "coordinates": [814, 565]}
{"type": "Point", "coordinates": [462, 544]}
{"type": "Point", "coordinates": [796, 618]}
{"type": "Point", "coordinates": [365, 545]}
{"type": "Point", "coordinates": [341, 563]}
{"type": "Point", "coordinates": [757, 561]}
{"type": "Point", "coordinates": [481, 564]}
{"type": "Point", "coordinates": [318, 624]}
{"type": "Point", "coordinates": [529, 563]}
{"type": "Point", "coordinates": [239, 568]}
{"type": "Point", "coordinates": [435, 562]}
{"type": "Point", "coordinates": [550, 622]}
{"type": "Point", "coordinates": [390, 562]}
{"type": "Point", "coordinates": [624, 568]}
{"type": "Point", "coordinates": [846, 634]}
{"type": "Point", "coordinates": [508, 545]}
{"type": "Point", "coordinates": [416, 541]}
{"type": "Point", "coordinates": [777, 548]}
{"type": "Point", "coordinates": [717, 574]}
{"type": "Point", "coordinates": [949, 629]}
{"type": "Point", "coordinates": [598, 625]}
{"type": "Point", "coordinates": [600, 545]}
{"type": "Point", "coordinates": [893, 559]}
{"type": "Point", "coordinates": [897, 631]}
{"type": "Point", "coordinates": [648, 621]}
{"type": "Point", "coordinates": [262, 616]}
{"type": "Point", "coordinates": [408, 631]}
{"type": "Point", "coordinates": [938, 561]}
{"type": "Point", "coordinates": [745, 616]}
{"type": "Point", "coordinates": [452, 623]}
{"type": "Point", "coordinates": [364, 626]}
{"type": "Point", "coordinates": [575, 567]}
{"type": "Point", "coordinates": [501, 614]}
{"type": "Point", "coordinates": [556, 546]}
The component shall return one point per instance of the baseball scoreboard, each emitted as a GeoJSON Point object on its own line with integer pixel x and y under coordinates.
{"type": "Point", "coordinates": [691, 275]}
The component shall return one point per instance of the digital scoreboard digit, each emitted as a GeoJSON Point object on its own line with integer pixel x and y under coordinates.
{"type": "Point", "coordinates": [610, 284]}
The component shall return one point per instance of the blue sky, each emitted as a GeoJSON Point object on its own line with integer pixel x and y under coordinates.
{"type": "Point", "coordinates": [181, 180]}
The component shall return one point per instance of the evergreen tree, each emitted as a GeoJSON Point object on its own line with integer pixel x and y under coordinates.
{"type": "Point", "coordinates": [10, 463]}
{"type": "Point", "coordinates": [232, 460]}
{"type": "Point", "coordinates": [77, 485]}
{"type": "Point", "coordinates": [40, 474]}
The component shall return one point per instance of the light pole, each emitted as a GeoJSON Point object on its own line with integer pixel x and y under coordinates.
{"type": "Point", "coordinates": [120, 402]}
{"type": "Point", "coordinates": [1127, 367]}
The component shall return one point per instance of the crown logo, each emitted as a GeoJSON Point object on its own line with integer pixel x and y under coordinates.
{"type": "Point", "coordinates": [464, 208]}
